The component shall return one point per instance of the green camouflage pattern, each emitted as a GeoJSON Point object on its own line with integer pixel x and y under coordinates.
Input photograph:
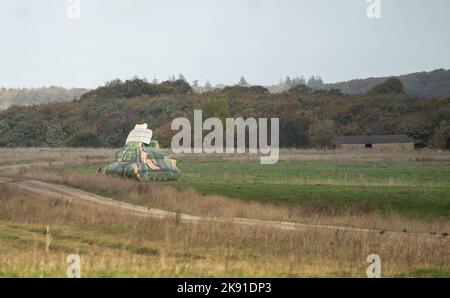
{"type": "Point", "coordinates": [143, 162]}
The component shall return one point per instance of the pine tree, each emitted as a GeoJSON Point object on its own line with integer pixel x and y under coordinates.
{"type": "Point", "coordinates": [302, 80]}
{"type": "Point", "coordinates": [315, 82]}
{"type": "Point", "coordinates": [243, 82]}
{"type": "Point", "coordinates": [288, 82]}
{"type": "Point", "coordinates": [208, 86]}
{"type": "Point", "coordinates": [55, 134]}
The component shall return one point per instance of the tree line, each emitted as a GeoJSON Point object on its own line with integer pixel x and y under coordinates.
{"type": "Point", "coordinates": [308, 117]}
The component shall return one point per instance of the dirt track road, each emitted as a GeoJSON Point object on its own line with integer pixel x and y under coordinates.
{"type": "Point", "coordinates": [68, 193]}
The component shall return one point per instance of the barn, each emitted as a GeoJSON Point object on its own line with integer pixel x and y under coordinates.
{"type": "Point", "coordinates": [380, 143]}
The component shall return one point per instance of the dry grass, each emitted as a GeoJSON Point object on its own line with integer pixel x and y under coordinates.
{"type": "Point", "coordinates": [23, 155]}
{"type": "Point", "coordinates": [14, 156]}
{"type": "Point", "coordinates": [112, 243]}
{"type": "Point", "coordinates": [192, 202]}
{"type": "Point", "coordinates": [419, 156]}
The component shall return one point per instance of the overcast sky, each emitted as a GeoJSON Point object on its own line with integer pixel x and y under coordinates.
{"type": "Point", "coordinates": [219, 40]}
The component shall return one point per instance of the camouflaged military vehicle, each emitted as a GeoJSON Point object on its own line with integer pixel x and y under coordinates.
{"type": "Point", "coordinates": [142, 159]}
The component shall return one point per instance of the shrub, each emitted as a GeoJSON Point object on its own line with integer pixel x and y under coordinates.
{"type": "Point", "coordinates": [85, 139]}
{"type": "Point", "coordinates": [391, 86]}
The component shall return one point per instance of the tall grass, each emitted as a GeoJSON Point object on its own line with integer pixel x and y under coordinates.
{"type": "Point", "coordinates": [21, 155]}
{"type": "Point", "coordinates": [363, 156]}
{"type": "Point", "coordinates": [114, 243]}
{"type": "Point", "coordinates": [17, 156]}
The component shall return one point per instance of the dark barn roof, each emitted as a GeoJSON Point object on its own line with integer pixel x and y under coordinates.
{"type": "Point", "coordinates": [374, 139]}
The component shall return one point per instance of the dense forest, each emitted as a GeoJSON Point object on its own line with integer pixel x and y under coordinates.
{"type": "Point", "coordinates": [308, 117]}
{"type": "Point", "coordinates": [32, 96]}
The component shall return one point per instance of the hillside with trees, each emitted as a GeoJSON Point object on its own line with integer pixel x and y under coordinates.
{"type": "Point", "coordinates": [32, 96]}
{"type": "Point", "coordinates": [308, 117]}
{"type": "Point", "coordinates": [420, 85]}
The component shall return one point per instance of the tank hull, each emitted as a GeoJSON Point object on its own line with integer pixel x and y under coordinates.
{"type": "Point", "coordinates": [144, 163]}
{"type": "Point", "coordinates": [141, 172]}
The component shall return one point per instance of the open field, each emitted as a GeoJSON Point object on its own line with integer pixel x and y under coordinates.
{"type": "Point", "coordinates": [23, 155]}
{"type": "Point", "coordinates": [403, 188]}
{"type": "Point", "coordinates": [313, 188]}
{"type": "Point", "coordinates": [19, 156]}
{"type": "Point", "coordinates": [410, 188]}
{"type": "Point", "coordinates": [190, 201]}
{"type": "Point", "coordinates": [115, 243]}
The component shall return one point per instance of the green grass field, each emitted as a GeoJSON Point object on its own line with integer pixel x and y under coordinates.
{"type": "Point", "coordinates": [409, 189]}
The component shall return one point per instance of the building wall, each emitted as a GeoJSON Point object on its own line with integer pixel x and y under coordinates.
{"type": "Point", "coordinates": [401, 147]}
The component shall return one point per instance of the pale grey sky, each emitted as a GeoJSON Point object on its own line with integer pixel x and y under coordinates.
{"type": "Point", "coordinates": [219, 40]}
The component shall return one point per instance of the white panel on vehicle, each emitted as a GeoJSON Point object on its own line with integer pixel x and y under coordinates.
{"type": "Point", "coordinates": [140, 133]}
